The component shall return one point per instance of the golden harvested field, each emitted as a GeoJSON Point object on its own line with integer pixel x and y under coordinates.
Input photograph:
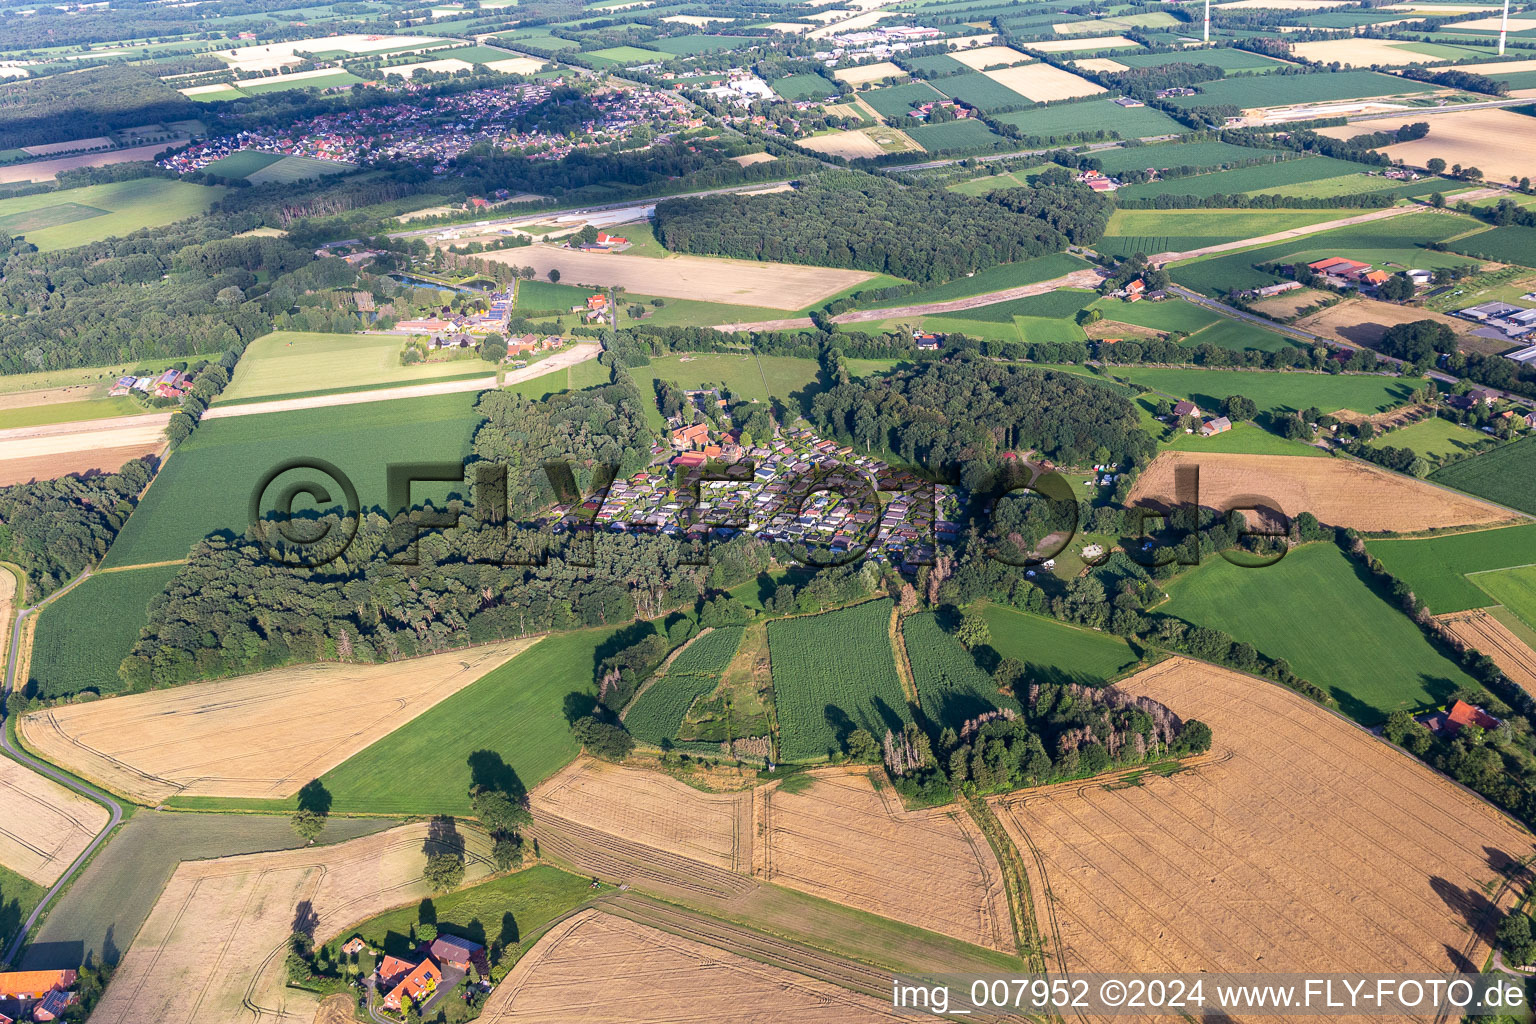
{"type": "Point", "coordinates": [594, 968]}
{"type": "Point", "coordinates": [48, 467]}
{"type": "Point", "coordinates": [1504, 67]}
{"type": "Point", "coordinates": [839, 840]}
{"type": "Point", "coordinates": [261, 736]}
{"type": "Point", "coordinates": [1352, 855]}
{"type": "Point", "coordinates": [448, 65]}
{"type": "Point", "coordinates": [985, 56]}
{"type": "Point", "coordinates": [1338, 492]}
{"type": "Point", "coordinates": [1475, 138]}
{"type": "Point", "coordinates": [844, 841]}
{"type": "Point", "coordinates": [1492, 24]}
{"type": "Point", "coordinates": [211, 950]}
{"type": "Point", "coordinates": [43, 826]}
{"type": "Point", "coordinates": [45, 170]}
{"type": "Point", "coordinates": [1359, 53]}
{"type": "Point", "coordinates": [516, 65]}
{"type": "Point", "coordinates": [1288, 304]}
{"type": "Point", "coordinates": [653, 809]}
{"type": "Point", "coordinates": [1482, 631]}
{"type": "Point", "coordinates": [1099, 64]}
{"type": "Point", "coordinates": [748, 159]}
{"type": "Point", "coordinates": [1362, 321]}
{"type": "Point", "coordinates": [849, 144]}
{"type": "Point", "coordinates": [1042, 82]}
{"type": "Point", "coordinates": [1089, 43]}
{"type": "Point", "coordinates": [868, 73]}
{"type": "Point", "coordinates": [738, 282]}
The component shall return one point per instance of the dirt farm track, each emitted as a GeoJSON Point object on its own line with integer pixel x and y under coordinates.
{"type": "Point", "coordinates": [1238, 865]}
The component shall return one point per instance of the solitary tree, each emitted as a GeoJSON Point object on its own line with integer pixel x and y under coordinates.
{"type": "Point", "coordinates": [444, 871]}
{"type": "Point", "coordinates": [1434, 165]}
{"type": "Point", "coordinates": [307, 823]}
{"type": "Point", "coordinates": [973, 631]}
{"type": "Point", "coordinates": [554, 275]}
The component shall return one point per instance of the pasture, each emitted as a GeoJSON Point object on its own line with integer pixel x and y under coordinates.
{"type": "Point", "coordinates": [1156, 231]}
{"type": "Point", "coordinates": [954, 136]}
{"type": "Point", "coordinates": [1053, 651]}
{"type": "Point", "coordinates": [76, 216]}
{"type": "Point", "coordinates": [290, 363]}
{"type": "Point", "coordinates": [1227, 58]}
{"type": "Point", "coordinates": [1168, 315]}
{"type": "Point", "coordinates": [1507, 245]}
{"type": "Point", "coordinates": [1339, 492]}
{"type": "Point", "coordinates": [1244, 439]}
{"type": "Point", "coordinates": [1277, 392]}
{"type": "Point", "coordinates": [1337, 626]}
{"type": "Point", "coordinates": [1434, 438]}
{"type": "Point", "coordinates": [206, 485]}
{"type": "Point", "coordinates": [804, 87]}
{"type": "Point", "coordinates": [1286, 177]}
{"type": "Point", "coordinates": [1515, 589]}
{"type": "Point", "coordinates": [18, 897]}
{"type": "Point", "coordinates": [244, 908]}
{"type": "Point", "coordinates": [1503, 475]}
{"type": "Point", "coordinates": [85, 634]}
{"type": "Point", "coordinates": [242, 162]}
{"type": "Point", "coordinates": [892, 103]}
{"type": "Point", "coordinates": [1286, 90]}
{"type": "Point", "coordinates": [979, 91]}
{"type": "Point", "coordinates": [1440, 569]}
{"type": "Point", "coordinates": [216, 738]}
{"type": "Point", "coordinates": [1006, 275]}
{"type": "Point", "coordinates": [281, 83]}
{"type": "Point", "coordinates": [1164, 155]}
{"type": "Point", "coordinates": [101, 912]}
{"type": "Point", "coordinates": [516, 711]}
{"type": "Point", "coordinates": [297, 168]}
{"type": "Point", "coordinates": [834, 673]}
{"type": "Point", "coordinates": [45, 414]}
{"type": "Point", "coordinates": [1239, 860]}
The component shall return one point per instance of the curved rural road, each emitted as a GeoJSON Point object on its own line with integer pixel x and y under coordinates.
{"type": "Point", "coordinates": [13, 653]}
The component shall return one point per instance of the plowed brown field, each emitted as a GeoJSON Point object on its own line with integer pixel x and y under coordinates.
{"type": "Point", "coordinates": [1480, 630]}
{"type": "Point", "coordinates": [597, 969]}
{"type": "Point", "coordinates": [211, 951]}
{"type": "Point", "coordinates": [1336, 491]}
{"type": "Point", "coordinates": [1300, 841]}
{"type": "Point", "coordinates": [260, 736]}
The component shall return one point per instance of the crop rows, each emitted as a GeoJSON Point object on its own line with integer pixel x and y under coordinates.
{"type": "Point", "coordinates": [951, 686]}
{"type": "Point", "coordinates": [657, 714]}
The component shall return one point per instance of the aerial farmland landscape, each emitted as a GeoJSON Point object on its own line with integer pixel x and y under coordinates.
{"type": "Point", "coordinates": [747, 511]}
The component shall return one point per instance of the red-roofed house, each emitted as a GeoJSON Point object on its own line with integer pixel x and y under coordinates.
{"type": "Point", "coordinates": [1463, 714]}
{"type": "Point", "coordinates": [34, 984]}
{"type": "Point", "coordinates": [597, 301]}
{"type": "Point", "coordinates": [419, 985]}
{"type": "Point", "coordinates": [1377, 277]}
{"type": "Point", "coordinates": [603, 238]}
{"type": "Point", "coordinates": [695, 436]}
{"type": "Point", "coordinates": [452, 951]}
{"type": "Point", "coordinates": [1338, 265]}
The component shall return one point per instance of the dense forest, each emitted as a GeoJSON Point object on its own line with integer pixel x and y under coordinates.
{"type": "Point", "coordinates": [96, 101]}
{"type": "Point", "coordinates": [865, 222]}
{"type": "Point", "coordinates": [969, 410]}
{"type": "Point", "coordinates": [55, 529]}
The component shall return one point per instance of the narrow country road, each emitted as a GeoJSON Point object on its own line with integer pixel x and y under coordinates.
{"type": "Point", "coordinates": [13, 654]}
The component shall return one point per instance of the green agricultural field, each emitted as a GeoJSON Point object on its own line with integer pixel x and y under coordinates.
{"type": "Point", "coordinates": [124, 207]}
{"type": "Point", "coordinates": [1284, 90]}
{"type": "Point", "coordinates": [1435, 439]}
{"type": "Point", "coordinates": [1441, 570]}
{"type": "Point", "coordinates": [688, 46]}
{"type": "Point", "coordinates": [977, 90]}
{"type": "Point", "coordinates": [84, 635]}
{"type": "Point", "coordinates": [18, 896]}
{"type": "Point", "coordinates": [1283, 177]}
{"type": "Point", "coordinates": [1168, 315]}
{"type": "Point", "coordinates": [1055, 652]}
{"type": "Point", "coordinates": [1515, 589]}
{"type": "Point", "coordinates": [657, 713]}
{"type": "Point", "coordinates": [69, 412]}
{"type": "Point", "coordinates": [295, 362]}
{"type": "Point", "coordinates": [473, 54]}
{"type": "Point", "coordinates": [1506, 245]}
{"type": "Point", "coordinates": [1063, 303]}
{"type": "Point", "coordinates": [1068, 119]}
{"type": "Point", "coordinates": [628, 55]}
{"type": "Point", "coordinates": [542, 295]}
{"type": "Point", "coordinates": [1277, 392]}
{"type": "Point", "coordinates": [1179, 154]}
{"type": "Point", "coordinates": [206, 485]}
{"type": "Point", "coordinates": [803, 87]}
{"type": "Point", "coordinates": [950, 685]}
{"type": "Point", "coordinates": [1503, 475]}
{"type": "Point", "coordinates": [506, 914]}
{"type": "Point", "coordinates": [1154, 231]}
{"type": "Point", "coordinates": [893, 102]}
{"type": "Point", "coordinates": [1007, 275]}
{"type": "Point", "coordinates": [748, 376]}
{"type": "Point", "coordinates": [100, 913]}
{"type": "Point", "coordinates": [834, 673]}
{"type": "Point", "coordinates": [935, 64]}
{"type": "Point", "coordinates": [282, 83]}
{"type": "Point", "coordinates": [1042, 329]}
{"type": "Point", "coordinates": [243, 162]}
{"type": "Point", "coordinates": [517, 712]}
{"type": "Point", "coordinates": [297, 168]}
{"type": "Point", "coordinates": [1239, 336]}
{"type": "Point", "coordinates": [1336, 625]}
{"type": "Point", "coordinates": [1245, 439]}
{"type": "Point", "coordinates": [228, 92]}
{"type": "Point", "coordinates": [954, 136]}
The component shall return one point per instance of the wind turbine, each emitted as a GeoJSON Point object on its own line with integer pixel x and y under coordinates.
{"type": "Point", "coordinates": [1208, 22]}
{"type": "Point", "coordinates": [1503, 27]}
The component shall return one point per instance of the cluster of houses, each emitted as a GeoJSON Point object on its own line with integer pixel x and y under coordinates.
{"type": "Point", "coordinates": [1269, 291]}
{"type": "Point", "coordinates": [658, 499]}
{"type": "Point", "coordinates": [170, 384]}
{"type": "Point", "coordinates": [882, 42]}
{"type": "Point", "coordinates": [41, 996]}
{"type": "Point", "coordinates": [1135, 291]}
{"type": "Point", "coordinates": [494, 320]}
{"type": "Point", "coordinates": [605, 243]}
{"type": "Point", "coordinates": [923, 111]}
{"type": "Point", "coordinates": [1098, 181]}
{"type": "Point", "coordinates": [434, 130]}
{"type": "Point", "coordinates": [1341, 272]}
{"type": "Point", "coordinates": [435, 971]}
{"type": "Point", "coordinates": [1209, 427]}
